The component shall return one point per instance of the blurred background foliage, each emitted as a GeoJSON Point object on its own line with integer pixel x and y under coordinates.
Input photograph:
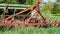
{"type": "Point", "coordinates": [50, 7]}
{"type": "Point", "coordinates": [18, 1]}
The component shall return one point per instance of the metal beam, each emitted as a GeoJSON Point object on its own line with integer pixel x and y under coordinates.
{"type": "Point", "coordinates": [12, 8]}
{"type": "Point", "coordinates": [16, 5]}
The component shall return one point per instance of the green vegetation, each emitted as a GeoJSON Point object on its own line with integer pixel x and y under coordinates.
{"type": "Point", "coordinates": [48, 7]}
{"type": "Point", "coordinates": [56, 9]}
{"type": "Point", "coordinates": [58, 0]}
{"type": "Point", "coordinates": [30, 30]}
{"type": "Point", "coordinates": [17, 1]}
{"type": "Point", "coordinates": [51, 8]}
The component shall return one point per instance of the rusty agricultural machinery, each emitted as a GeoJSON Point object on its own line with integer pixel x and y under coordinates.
{"type": "Point", "coordinates": [30, 20]}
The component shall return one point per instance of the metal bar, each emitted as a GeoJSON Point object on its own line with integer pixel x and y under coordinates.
{"type": "Point", "coordinates": [30, 18]}
{"type": "Point", "coordinates": [38, 9]}
{"type": "Point", "coordinates": [22, 11]}
{"type": "Point", "coordinates": [26, 15]}
{"type": "Point", "coordinates": [16, 5]}
{"type": "Point", "coordinates": [12, 8]}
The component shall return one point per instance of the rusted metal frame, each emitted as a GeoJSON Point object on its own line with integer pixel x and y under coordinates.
{"type": "Point", "coordinates": [38, 10]}
{"type": "Point", "coordinates": [30, 18]}
{"type": "Point", "coordinates": [3, 14]}
{"type": "Point", "coordinates": [22, 11]}
{"type": "Point", "coordinates": [32, 15]}
{"type": "Point", "coordinates": [5, 10]}
{"type": "Point", "coordinates": [26, 15]}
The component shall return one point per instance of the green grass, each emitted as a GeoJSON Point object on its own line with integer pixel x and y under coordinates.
{"type": "Point", "coordinates": [50, 16]}
{"type": "Point", "coordinates": [31, 30]}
